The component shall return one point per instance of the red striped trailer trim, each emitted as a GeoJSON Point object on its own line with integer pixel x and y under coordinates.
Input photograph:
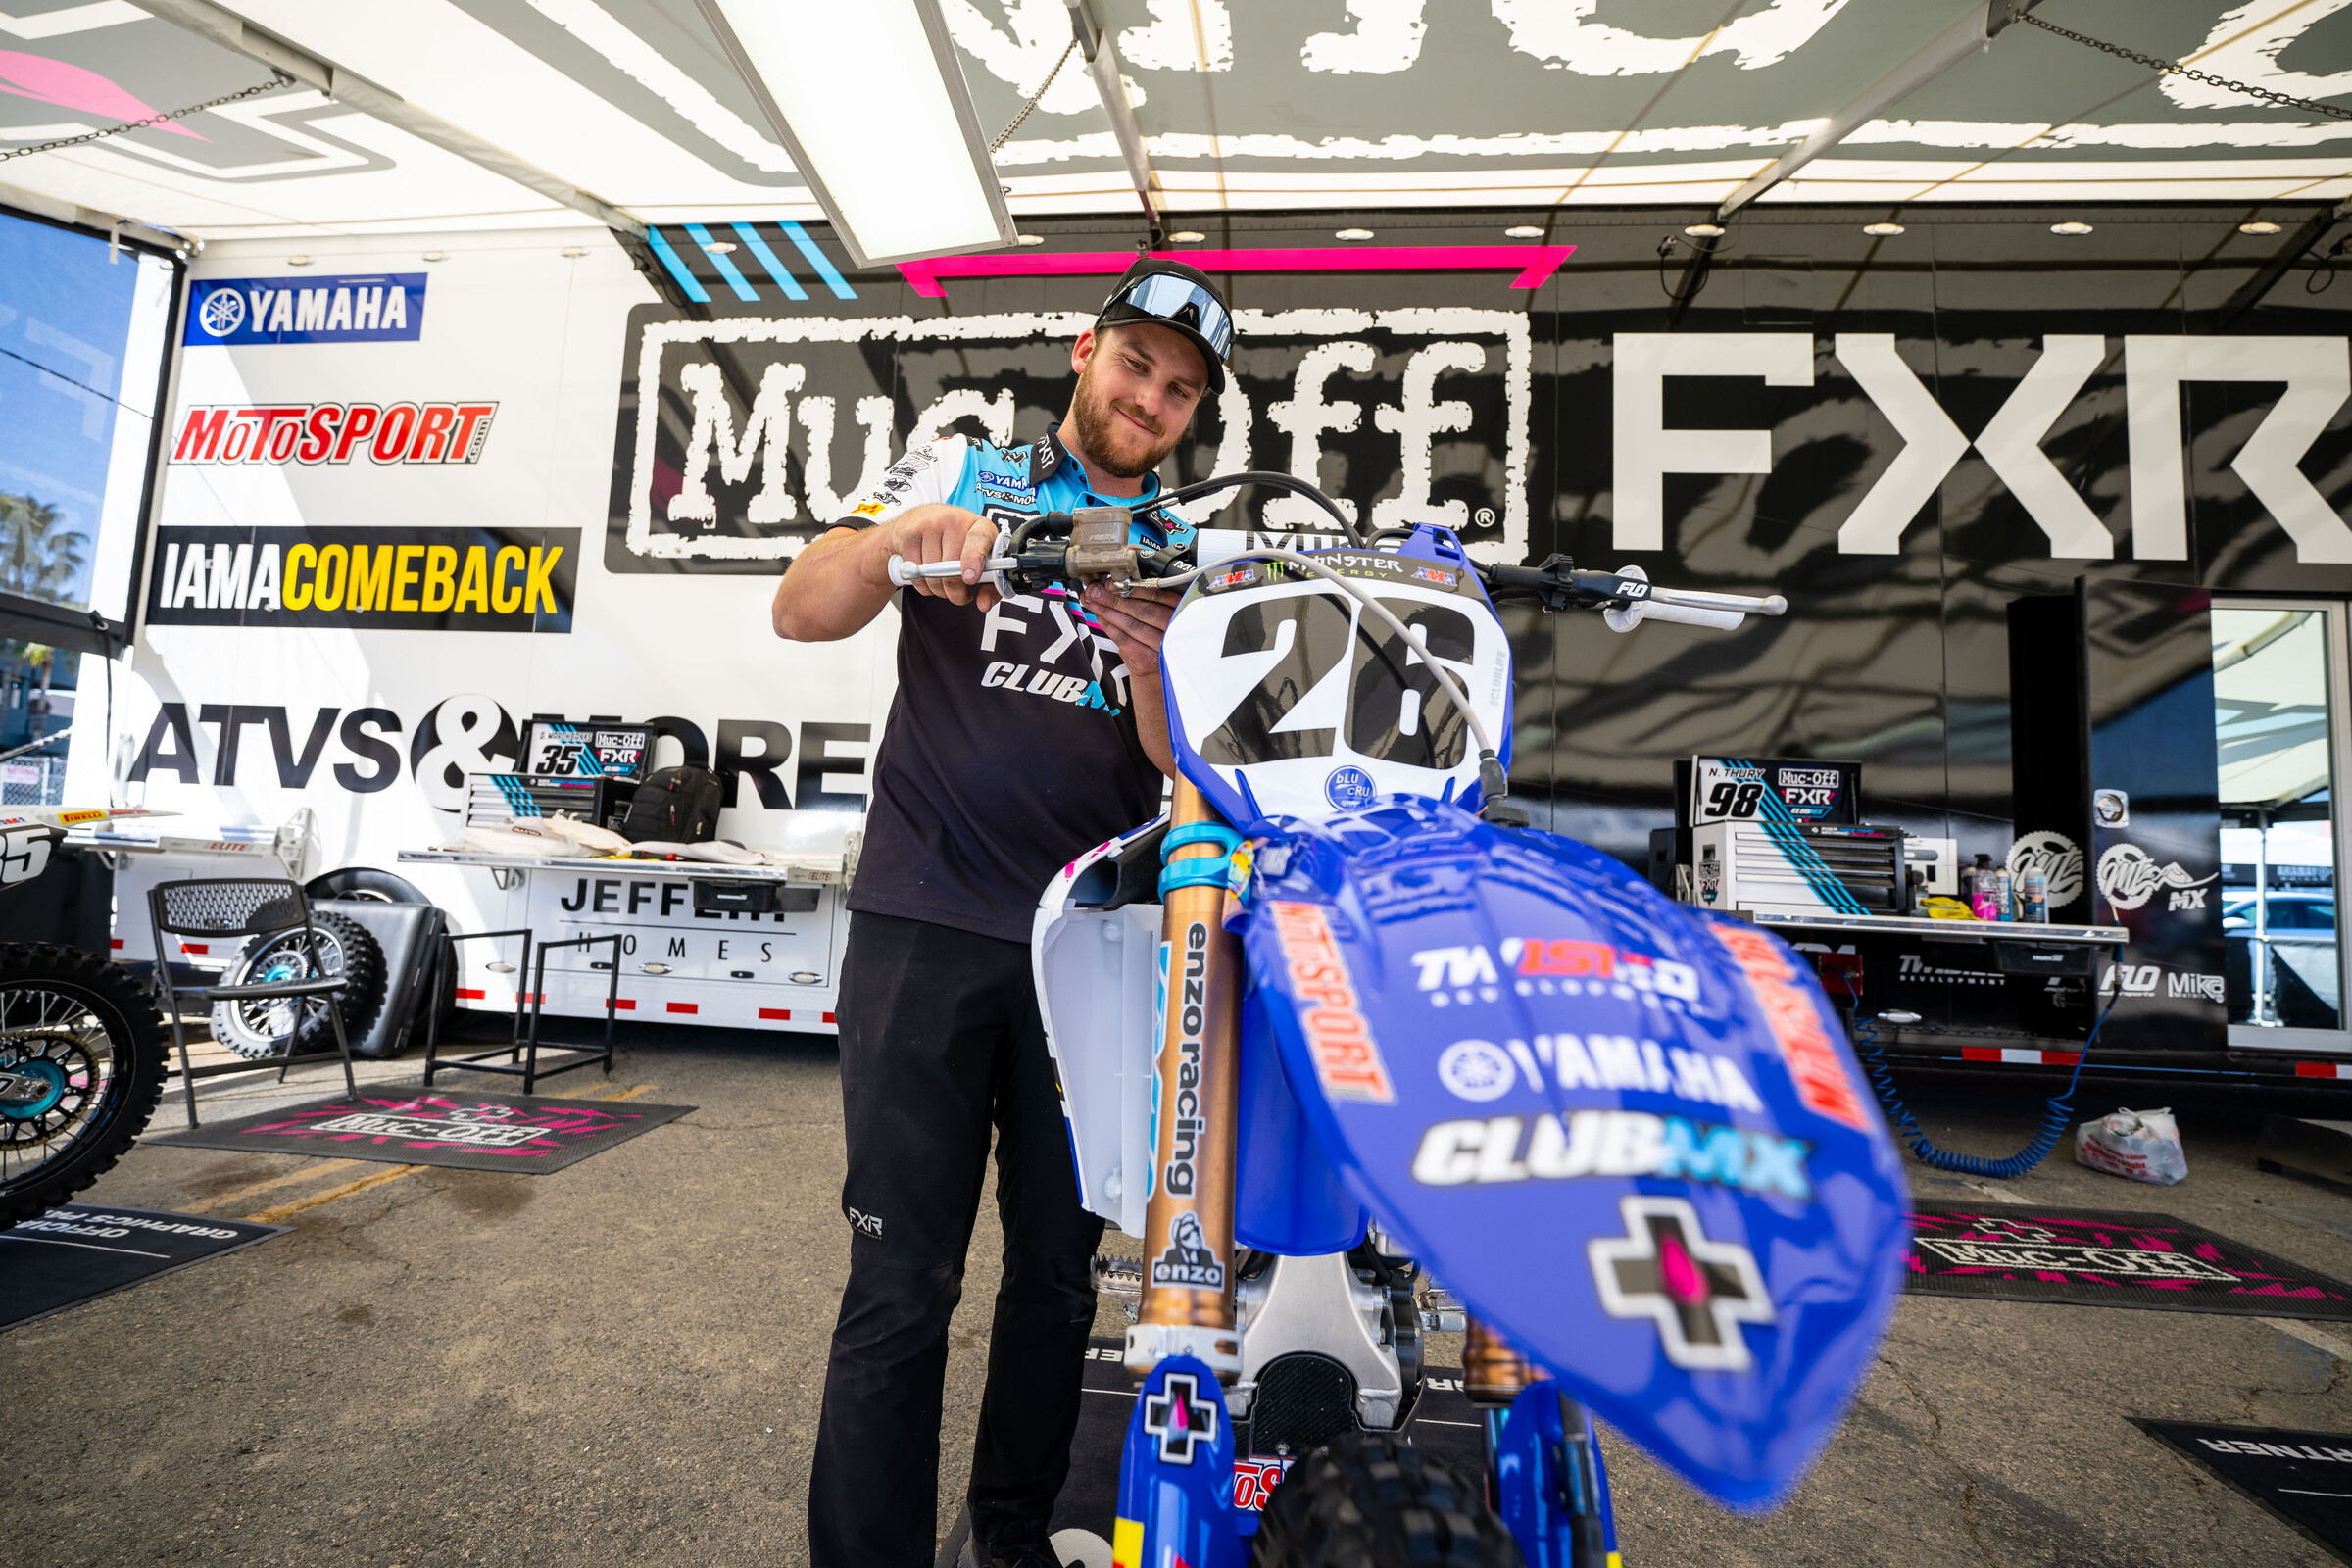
{"type": "Point", "coordinates": [195, 946]}
{"type": "Point", "coordinates": [685, 1006]}
{"type": "Point", "coordinates": [2323, 1069]}
{"type": "Point", "coordinates": [471, 996]}
{"type": "Point", "coordinates": [628, 1003]}
{"type": "Point", "coordinates": [784, 1013]}
{"type": "Point", "coordinates": [828, 1018]}
{"type": "Point", "coordinates": [2026, 1058]}
{"type": "Point", "coordinates": [113, 942]}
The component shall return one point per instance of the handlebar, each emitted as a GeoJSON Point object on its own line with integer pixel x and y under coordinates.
{"type": "Point", "coordinates": [1090, 545]}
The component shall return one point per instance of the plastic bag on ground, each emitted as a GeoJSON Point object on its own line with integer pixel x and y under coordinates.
{"type": "Point", "coordinates": [2143, 1146]}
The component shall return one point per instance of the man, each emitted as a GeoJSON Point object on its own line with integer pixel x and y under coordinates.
{"type": "Point", "coordinates": [1025, 730]}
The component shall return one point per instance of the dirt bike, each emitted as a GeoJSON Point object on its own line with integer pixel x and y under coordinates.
{"type": "Point", "coordinates": [1340, 1023]}
{"type": "Point", "coordinates": [82, 1045]}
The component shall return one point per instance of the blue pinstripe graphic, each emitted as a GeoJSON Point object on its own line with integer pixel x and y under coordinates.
{"type": "Point", "coordinates": [518, 794]}
{"type": "Point", "coordinates": [1779, 825]}
{"type": "Point", "coordinates": [687, 281]}
{"type": "Point", "coordinates": [768, 259]}
{"type": "Point", "coordinates": [820, 261]}
{"type": "Point", "coordinates": [726, 268]}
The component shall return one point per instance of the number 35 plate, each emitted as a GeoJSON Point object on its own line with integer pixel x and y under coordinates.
{"type": "Point", "coordinates": [1286, 698]}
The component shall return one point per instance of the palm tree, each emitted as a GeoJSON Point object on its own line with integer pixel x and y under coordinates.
{"type": "Point", "coordinates": [37, 558]}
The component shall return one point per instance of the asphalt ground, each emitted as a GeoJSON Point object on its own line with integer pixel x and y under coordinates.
{"type": "Point", "coordinates": [622, 1362]}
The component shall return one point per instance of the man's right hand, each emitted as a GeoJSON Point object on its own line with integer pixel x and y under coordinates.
{"type": "Point", "coordinates": [936, 532]}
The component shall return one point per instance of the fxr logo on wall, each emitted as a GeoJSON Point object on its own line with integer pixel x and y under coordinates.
{"type": "Point", "coordinates": [739, 448]}
{"type": "Point", "coordinates": [2316, 372]}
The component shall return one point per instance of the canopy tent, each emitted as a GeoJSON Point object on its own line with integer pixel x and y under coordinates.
{"type": "Point", "coordinates": [440, 115]}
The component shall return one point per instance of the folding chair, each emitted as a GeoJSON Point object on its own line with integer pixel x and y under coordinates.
{"type": "Point", "coordinates": [239, 907]}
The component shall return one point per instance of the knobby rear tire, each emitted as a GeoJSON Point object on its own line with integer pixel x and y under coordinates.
{"type": "Point", "coordinates": [1370, 1499]}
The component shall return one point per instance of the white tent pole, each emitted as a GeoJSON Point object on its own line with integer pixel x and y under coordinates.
{"type": "Point", "coordinates": [1972, 32]}
{"type": "Point", "coordinates": [1103, 64]}
{"type": "Point", "coordinates": [232, 32]}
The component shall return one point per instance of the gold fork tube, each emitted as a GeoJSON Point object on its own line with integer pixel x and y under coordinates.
{"type": "Point", "coordinates": [1188, 1227]}
{"type": "Point", "coordinates": [1493, 1373]}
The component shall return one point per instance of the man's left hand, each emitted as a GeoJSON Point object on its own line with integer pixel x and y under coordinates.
{"type": "Point", "coordinates": [1136, 622]}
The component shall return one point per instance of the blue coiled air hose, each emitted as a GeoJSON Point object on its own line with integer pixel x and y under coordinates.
{"type": "Point", "coordinates": [2057, 1113]}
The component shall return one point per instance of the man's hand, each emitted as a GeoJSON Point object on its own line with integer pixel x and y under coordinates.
{"type": "Point", "coordinates": [938, 532]}
{"type": "Point", "coordinates": [1137, 624]}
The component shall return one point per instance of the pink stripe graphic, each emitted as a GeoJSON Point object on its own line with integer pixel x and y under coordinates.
{"type": "Point", "coordinates": [1535, 262]}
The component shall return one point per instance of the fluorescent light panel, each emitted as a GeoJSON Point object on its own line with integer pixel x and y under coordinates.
{"type": "Point", "coordinates": [868, 98]}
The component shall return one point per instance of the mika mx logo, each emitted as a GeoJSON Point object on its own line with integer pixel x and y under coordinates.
{"type": "Point", "coordinates": [2129, 876]}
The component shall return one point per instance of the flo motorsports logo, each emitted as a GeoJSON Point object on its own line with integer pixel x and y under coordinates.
{"type": "Point", "coordinates": [377, 580]}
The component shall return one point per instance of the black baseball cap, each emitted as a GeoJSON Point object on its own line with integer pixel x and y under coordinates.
{"type": "Point", "coordinates": [1180, 298]}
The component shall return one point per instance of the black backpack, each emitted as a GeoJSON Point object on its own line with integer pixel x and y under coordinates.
{"type": "Point", "coordinates": [675, 805]}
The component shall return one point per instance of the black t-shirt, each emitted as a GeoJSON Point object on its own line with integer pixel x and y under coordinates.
{"type": "Point", "coordinates": [1012, 744]}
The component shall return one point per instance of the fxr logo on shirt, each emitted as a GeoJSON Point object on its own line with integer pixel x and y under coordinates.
{"type": "Point", "coordinates": [1043, 682]}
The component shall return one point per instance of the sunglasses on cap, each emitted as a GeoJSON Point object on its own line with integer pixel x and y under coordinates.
{"type": "Point", "coordinates": [1180, 302]}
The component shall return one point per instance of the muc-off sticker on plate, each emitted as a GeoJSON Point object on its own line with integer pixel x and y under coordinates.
{"type": "Point", "coordinates": [1745, 789]}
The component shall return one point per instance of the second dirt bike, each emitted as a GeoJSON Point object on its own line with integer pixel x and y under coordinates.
{"type": "Point", "coordinates": [81, 1046]}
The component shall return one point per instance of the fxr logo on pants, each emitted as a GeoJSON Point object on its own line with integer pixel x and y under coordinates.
{"type": "Point", "coordinates": [868, 1224]}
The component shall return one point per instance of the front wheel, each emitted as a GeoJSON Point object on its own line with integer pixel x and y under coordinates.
{"type": "Point", "coordinates": [81, 1067]}
{"type": "Point", "coordinates": [1373, 1500]}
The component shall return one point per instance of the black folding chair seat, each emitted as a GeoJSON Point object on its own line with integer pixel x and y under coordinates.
{"type": "Point", "coordinates": [275, 988]}
{"type": "Point", "coordinates": [245, 906]}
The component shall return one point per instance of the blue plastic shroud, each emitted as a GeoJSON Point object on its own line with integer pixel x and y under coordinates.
{"type": "Point", "coordinates": [1176, 1473]}
{"type": "Point", "coordinates": [1628, 1134]}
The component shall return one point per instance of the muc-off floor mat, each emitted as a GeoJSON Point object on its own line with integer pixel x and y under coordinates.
{"type": "Point", "coordinates": [2016, 1253]}
{"type": "Point", "coordinates": [1443, 1423]}
{"type": "Point", "coordinates": [457, 1128]}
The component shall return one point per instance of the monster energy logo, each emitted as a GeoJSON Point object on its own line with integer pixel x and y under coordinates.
{"type": "Point", "coordinates": [1191, 1020]}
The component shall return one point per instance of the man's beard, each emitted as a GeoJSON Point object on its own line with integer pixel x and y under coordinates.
{"type": "Point", "coordinates": [1105, 438]}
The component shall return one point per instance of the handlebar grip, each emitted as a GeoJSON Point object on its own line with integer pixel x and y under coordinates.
{"type": "Point", "coordinates": [1719, 620]}
{"type": "Point", "coordinates": [904, 573]}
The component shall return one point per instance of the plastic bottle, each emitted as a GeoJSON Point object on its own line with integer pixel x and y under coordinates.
{"type": "Point", "coordinates": [2033, 897]}
{"type": "Point", "coordinates": [2004, 894]}
{"type": "Point", "coordinates": [1976, 888]}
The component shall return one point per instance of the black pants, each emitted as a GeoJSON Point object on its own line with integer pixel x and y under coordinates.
{"type": "Point", "coordinates": [940, 1039]}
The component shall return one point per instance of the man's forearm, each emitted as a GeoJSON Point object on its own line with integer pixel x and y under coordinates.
{"type": "Point", "coordinates": [829, 591]}
{"type": "Point", "coordinates": [1152, 720]}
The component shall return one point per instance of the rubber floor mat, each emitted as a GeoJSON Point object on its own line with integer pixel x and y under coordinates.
{"type": "Point", "coordinates": [76, 1252]}
{"type": "Point", "coordinates": [460, 1129]}
{"type": "Point", "coordinates": [2304, 1478]}
{"type": "Point", "coordinates": [2016, 1253]}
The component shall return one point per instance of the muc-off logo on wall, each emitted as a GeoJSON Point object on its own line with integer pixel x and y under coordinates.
{"type": "Point", "coordinates": [312, 433]}
{"type": "Point", "coordinates": [377, 580]}
{"type": "Point", "coordinates": [235, 312]}
{"type": "Point", "coordinates": [743, 438]}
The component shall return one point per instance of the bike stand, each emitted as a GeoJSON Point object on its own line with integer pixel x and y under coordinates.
{"type": "Point", "coordinates": [522, 1049]}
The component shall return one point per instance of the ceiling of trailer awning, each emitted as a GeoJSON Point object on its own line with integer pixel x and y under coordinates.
{"type": "Point", "coordinates": [1243, 104]}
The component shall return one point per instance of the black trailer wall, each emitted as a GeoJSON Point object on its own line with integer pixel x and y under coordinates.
{"type": "Point", "coordinates": [1908, 435]}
